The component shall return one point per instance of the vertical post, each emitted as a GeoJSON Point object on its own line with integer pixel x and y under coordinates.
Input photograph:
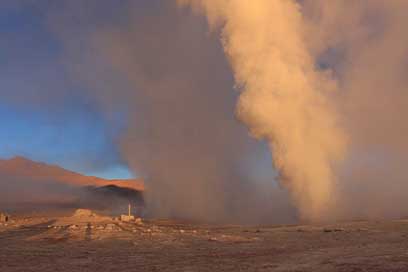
{"type": "Point", "coordinates": [129, 209]}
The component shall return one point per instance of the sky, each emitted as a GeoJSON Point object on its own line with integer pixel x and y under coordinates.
{"type": "Point", "coordinates": [44, 114]}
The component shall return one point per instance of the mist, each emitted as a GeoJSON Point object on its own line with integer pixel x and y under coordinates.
{"type": "Point", "coordinates": [365, 46]}
{"type": "Point", "coordinates": [284, 99]}
{"type": "Point", "coordinates": [325, 84]}
{"type": "Point", "coordinates": [168, 78]}
{"type": "Point", "coordinates": [24, 194]}
{"type": "Point", "coordinates": [196, 93]}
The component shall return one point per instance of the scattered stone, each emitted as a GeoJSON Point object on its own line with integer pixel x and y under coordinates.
{"type": "Point", "coordinates": [127, 218]}
{"type": "Point", "coordinates": [362, 229]}
{"type": "Point", "coordinates": [138, 221]}
{"type": "Point", "coordinates": [110, 227]}
{"type": "Point", "coordinates": [82, 217]}
{"type": "Point", "coordinates": [83, 213]}
{"type": "Point", "coordinates": [333, 230]}
{"type": "Point", "coordinates": [73, 227]}
{"type": "Point", "coordinates": [4, 217]}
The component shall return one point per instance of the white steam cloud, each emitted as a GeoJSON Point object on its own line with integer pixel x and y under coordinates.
{"type": "Point", "coordinates": [284, 98]}
{"type": "Point", "coordinates": [324, 83]}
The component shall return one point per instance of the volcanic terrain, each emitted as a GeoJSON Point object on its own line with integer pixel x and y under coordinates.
{"type": "Point", "coordinates": [85, 241]}
{"type": "Point", "coordinates": [28, 185]}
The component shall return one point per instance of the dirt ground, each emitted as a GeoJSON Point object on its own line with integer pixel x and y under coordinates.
{"type": "Point", "coordinates": [101, 244]}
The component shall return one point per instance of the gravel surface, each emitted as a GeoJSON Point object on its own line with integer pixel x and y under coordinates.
{"type": "Point", "coordinates": [44, 244]}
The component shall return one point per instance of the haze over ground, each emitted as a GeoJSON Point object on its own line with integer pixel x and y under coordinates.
{"type": "Point", "coordinates": [28, 186]}
{"type": "Point", "coordinates": [258, 111]}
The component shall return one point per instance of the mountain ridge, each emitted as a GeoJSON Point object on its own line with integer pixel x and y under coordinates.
{"type": "Point", "coordinates": [19, 166]}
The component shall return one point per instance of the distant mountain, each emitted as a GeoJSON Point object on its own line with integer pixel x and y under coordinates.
{"type": "Point", "coordinates": [112, 198]}
{"type": "Point", "coordinates": [27, 185]}
{"type": "Point", "coordinates": [21, 167]}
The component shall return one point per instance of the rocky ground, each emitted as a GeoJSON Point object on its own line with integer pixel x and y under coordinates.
{"type": "Point", "coordinates": [88, 242]}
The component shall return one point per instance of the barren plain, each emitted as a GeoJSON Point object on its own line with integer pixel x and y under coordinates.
{"type": "Point", "coordinates": [88, 242]}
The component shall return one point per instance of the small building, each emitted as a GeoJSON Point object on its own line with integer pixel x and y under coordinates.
{"type": "Point", "coordinates": [129, 217]}
{"type": "Point", "coordinates": [4, 218]}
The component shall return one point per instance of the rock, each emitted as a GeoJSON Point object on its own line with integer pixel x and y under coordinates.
{"type": "Point", "coordinates": [4, 217]}
{"type": "Point", "coordinates": [138, 221]}
{"type": "Point", "coordinates": [110, 227]}
{"type": "Point", "coordinates": [362, 229]}
{"type": "Point", "coordinates": [83, 213]}
{"type": "Point", "coordinates": [126, 218]}
{"type": "Point", "coordinates": [333, 230]}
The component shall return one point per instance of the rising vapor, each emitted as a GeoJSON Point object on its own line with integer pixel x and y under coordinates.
{"type": "Point", "coordinates": [324, 83]}
{"type": "Point", "coordinates": [174, 86]}
{"type": "Point", "coordinates": [284, 98]}
{"type": "Point", "coordinates": [366, 46]}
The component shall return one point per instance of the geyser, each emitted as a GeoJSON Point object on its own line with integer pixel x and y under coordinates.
{"type": "Point", "coordinates": [284, 98]}
{"type": "Point", "coordinates": [324, 83]}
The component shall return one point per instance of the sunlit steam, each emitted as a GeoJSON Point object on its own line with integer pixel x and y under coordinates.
{"type": "Point", "coordinates": [284, 98]}
{"type": "Point", "coordinates": [324, 83]}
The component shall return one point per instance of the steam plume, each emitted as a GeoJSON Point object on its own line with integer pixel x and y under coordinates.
{"type": "Point", "coordinates": [323, 82]}
{"type": "Point", "coordinates": [174, 86]}
{"type": "Point", "coordinates": [284, 99]}
{"type": "Point", "coordinates": [366, 45]}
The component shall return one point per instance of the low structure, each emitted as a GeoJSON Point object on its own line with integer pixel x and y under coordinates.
{"type": "Point", "coordinates": [4, 217]}
{"type": "Point", "coordinates": [129, 217]}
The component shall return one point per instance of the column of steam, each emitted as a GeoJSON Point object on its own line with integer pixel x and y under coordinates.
{"type": "Point", "coordinates": [284, 99]}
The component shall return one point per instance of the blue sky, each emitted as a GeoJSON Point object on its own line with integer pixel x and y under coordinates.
{"type": "Point", "coordinates": [45, 115]}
